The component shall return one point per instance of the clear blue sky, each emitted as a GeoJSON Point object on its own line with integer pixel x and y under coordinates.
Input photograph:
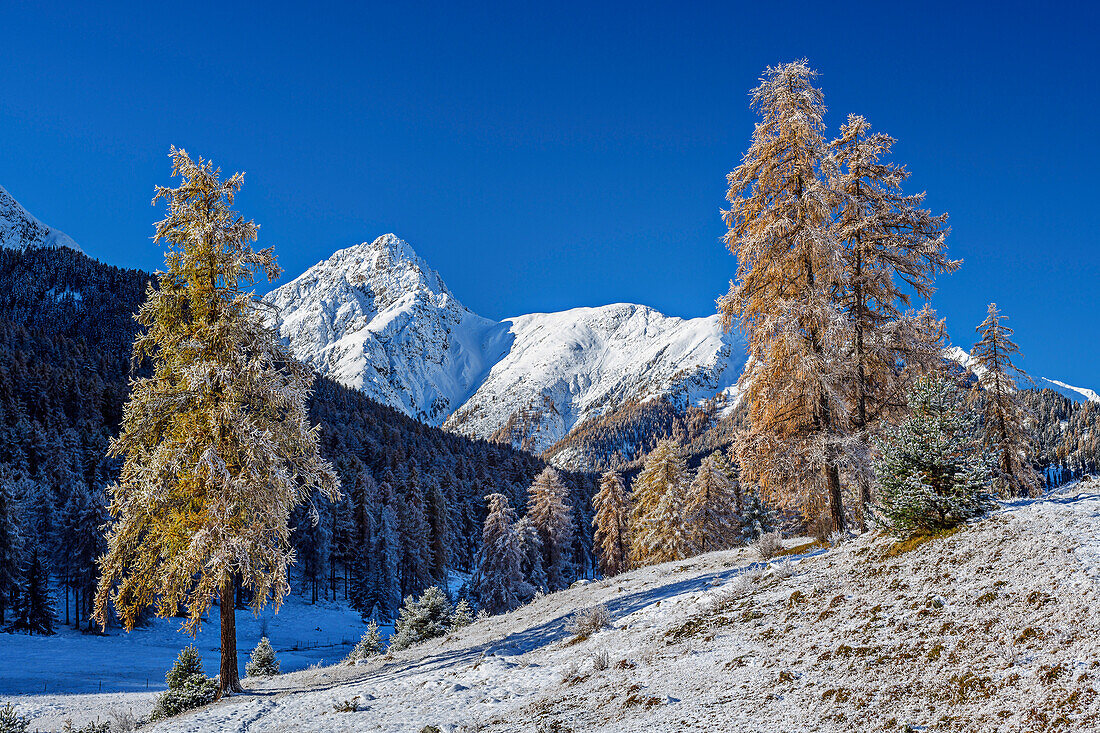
{"type": "Point", "coordinates": [545, 156]}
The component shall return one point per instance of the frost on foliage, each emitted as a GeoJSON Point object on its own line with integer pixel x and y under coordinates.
{"type": "Point", "coordinates": [217, 444]}
{"type": "Point", "coordinates": [658, 531]}
{"type": "Point", "coordinates": [498, 583]}
{"type": "Point", "coordinates": [932, 474]}
{"type": "Point", "coordinates": [1006, 427]}
{"type": "Point", "coordinates": [10, 720]}
{"type": "Point", "coordinates": [551, 514]}
{"type": "Point", "coordinates": [611, 536]}
{"type": "Point", "coordinates": [188, 687]}
{"type": "Point", "coordinates": [756, 517]}
{"type": "Point", "coordinates": [262, 662]}
{"type": "Point", "coordinates": [421, 619]}
{"type": "Point", "coordinates": [711, 508]}
{"type": "Point", "coordinates": [368, 646]}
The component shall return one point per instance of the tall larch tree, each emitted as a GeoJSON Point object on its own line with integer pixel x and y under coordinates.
{"type": "Point", "coordinates": [784, 299]}
{"type": "Point", "coordinates": [551, 514]}
{"type": "Point", "coordinates": [657, 528]}
{"type": "Point", "coordinates": [1004, 417]}
{"type": "Point", "coordinates": [217, 444]}
{"type": "Point", "coordinates": [611, 525]}
{"type": "Point", "coordinates": [711, 511]}
{"type": "Point", "coordinates": [892, 249]}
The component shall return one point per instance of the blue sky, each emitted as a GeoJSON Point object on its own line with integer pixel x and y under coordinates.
{"type": "Point", "coordinates": [551, 155]}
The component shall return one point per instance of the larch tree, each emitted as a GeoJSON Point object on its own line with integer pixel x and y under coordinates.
{"type": "Point", "coordinates": [217, 444]}
{"type": "Point", "coordinates": [658, 531]}
{"type": "Point", "coordinates": [1004, 417]}
{"type": "Point", "coordinates": [789, 271]}
{"type": "Point", "coordinates": [611, 525]}
{"type": "Point", "coordinates": [551, 514]}
{"type": "Point", "coordinates": [711, 511]}
{"type": "Point", "coordinates": [892, 249]}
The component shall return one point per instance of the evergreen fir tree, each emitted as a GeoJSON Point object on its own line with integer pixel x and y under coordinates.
{"type": "Point", "coordinates": [932, 474]}
{"type": "Point", "coordinates": [532, 559]}
{"type": "Point", "coordinates": [34, 611]}
{"type": "Point", "coordinates": [10, 547]}
{"type": "Point", "coordinates": [657, 529]}
{"type": "Point", "coordinates": [462, 616]}
{"type": "Point", "coordinates": [422, 618]}
{"type": "Point", "coordinates": [415, 543]}
{"type": "Point", "coordinates": [1005, 428]}
{"type": "Point", "coordinates": [756, 518]}
{"type": "Point", "coordinates": [711, 509]}
{"type": "Point", "coordinates": [11, 721]}
{"type": "Point", "coordinates": [369, 645]}
{"type": "Point", "coordinates": [439, 524]}
{"type": "Point", "coordinates": [784, 298]}
{"type": "Point", "coordinates": [262, 663]}
{"type": "Point", "coordinates": [611, 525]}
{"type": "Point", "coordinates": [550, 512]}
{"type": "Point", "coordinates": [498, 580]}
{"type": "Point", "coordinates": [217, 442]}
{"type": "Point", "coordinates": [188, 687]}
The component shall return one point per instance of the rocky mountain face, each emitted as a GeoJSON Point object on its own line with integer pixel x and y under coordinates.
{"type": "Point", "coordinates": [375, 317]}
{"type": "Point", "coordinates": [20, 230]}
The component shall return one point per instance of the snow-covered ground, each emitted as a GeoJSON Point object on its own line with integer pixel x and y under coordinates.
{"type": "Point", "coordinates": [992, 628]}
{"type": "Point", "coordinates": [34, 669]}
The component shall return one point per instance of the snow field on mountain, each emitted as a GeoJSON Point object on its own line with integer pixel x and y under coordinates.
{"type": "Point", "coordinates": [993, 627]}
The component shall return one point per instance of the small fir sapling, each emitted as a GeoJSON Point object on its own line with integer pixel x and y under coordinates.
{"type": "Point", "coordinates": [263, 662]}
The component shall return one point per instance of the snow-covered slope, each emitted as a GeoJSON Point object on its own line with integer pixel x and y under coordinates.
{"type": "Point", "coordinates": [20, 230]}
{"type": "Point", "coordinates": [963, 359]}
{"type": "Point", "coordinates": [992, 628]}
{"type": "Point", "coordinates": [377, 318]}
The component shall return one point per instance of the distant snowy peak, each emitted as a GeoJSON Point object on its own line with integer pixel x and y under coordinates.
{"type": "Point", "coordinates": [20, 230]}
{"type": "Point", "coordinates": [564, 368]}
{"type": "Point", "coordinates": [375, 317]}
{"type": "Point", "coordinates": [964, 360]}
{"type": "Point", "coordinates": [1088, 394]}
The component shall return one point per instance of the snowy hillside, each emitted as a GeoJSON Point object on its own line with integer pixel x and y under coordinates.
{"type": "Point", "coordinates": [991, 628]}
{"type": "Point", "coordinates": [377, 318]}
{"type": "Point", "coordinates": [20, 230]}
{"type": "Point", "coordinates": [1077, 392]}
{"type": "Point", "coordinates": [961, 357]}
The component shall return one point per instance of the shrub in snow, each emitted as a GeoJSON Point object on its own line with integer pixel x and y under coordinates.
{"type": "Point", "coordinates": [11, 721]}
{"type": "Point", "coordinates": [932, 476]}
{"type": "Point", "coordinates": [601, 660]}
{"type": "Point", "coordinates": [588, 621]}
{"type": "Point", "coordinates": [369, 645]}
{"type": "Point", "coordinates": [263, 662]}
{"type": "Point", "coordinates": [96, 727]}
{"type": "Point", "coordinates": [421, 619]}
{"type": "Point", "coordinates": [188, 687]}
{"type": "Point", "coordinates": [768, 545]}
{"type": "Point", "coordinates": [463, 615]}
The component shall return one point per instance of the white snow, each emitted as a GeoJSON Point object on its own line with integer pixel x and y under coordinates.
{"type": "Point", "coordinates": [377, 318]}
{"type": "Point", "coordinates": [19, 230]}
{"type": "Point", "coordinates": [991, 628]}
{"type": "Point", "coordinates": [1088, 394]}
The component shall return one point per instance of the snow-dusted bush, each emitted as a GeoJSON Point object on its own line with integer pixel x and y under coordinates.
{"type": "Point", "coordinates": [263, 662]}
{"type": "Point", "coordinates": [462, 616]}
{"type": "Point", "coordinates": [421, 619]}
{"type": "Point", "coordinates": [768, 545]}
{"type": "Point", "coordinates": [932, 475]}
{"type": "Point", "coordinates": [96, 727]}
{"type": "Point", "coordinates": [369, 645]}
{"type": "Point", "coordinates": [588, 621]}
{"type": "Point", "coordinates": [11, 721]}
{"type": "Point", "coordinates": [756, 517]}
{"type": "Point", "coordinates": [188, 687]}
{"type": "Point", "coordinates": [601, 660]}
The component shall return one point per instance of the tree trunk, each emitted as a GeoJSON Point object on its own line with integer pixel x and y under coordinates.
{"type": "Point", "coordinates": [836, 499]}
{"type": "Point", "coordinates": [229, 680]}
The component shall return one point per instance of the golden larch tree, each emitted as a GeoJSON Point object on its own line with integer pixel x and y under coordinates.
{"type": "Point", "coordinates": [610, 524]}
{"type": "Point", "coordinates": [789, 271]}
{"type": "Point", "coordinates": [217, 444]}
{"type": "Point", "coordinates": [658, 530]}
{"type": "Point", "coordinates": [1004, 418]}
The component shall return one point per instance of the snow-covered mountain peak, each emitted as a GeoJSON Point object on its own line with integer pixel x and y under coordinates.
{"type": "Point", "coordinates": [20, 230]}
{"type": "Point", "coordinates": [377, 318]}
